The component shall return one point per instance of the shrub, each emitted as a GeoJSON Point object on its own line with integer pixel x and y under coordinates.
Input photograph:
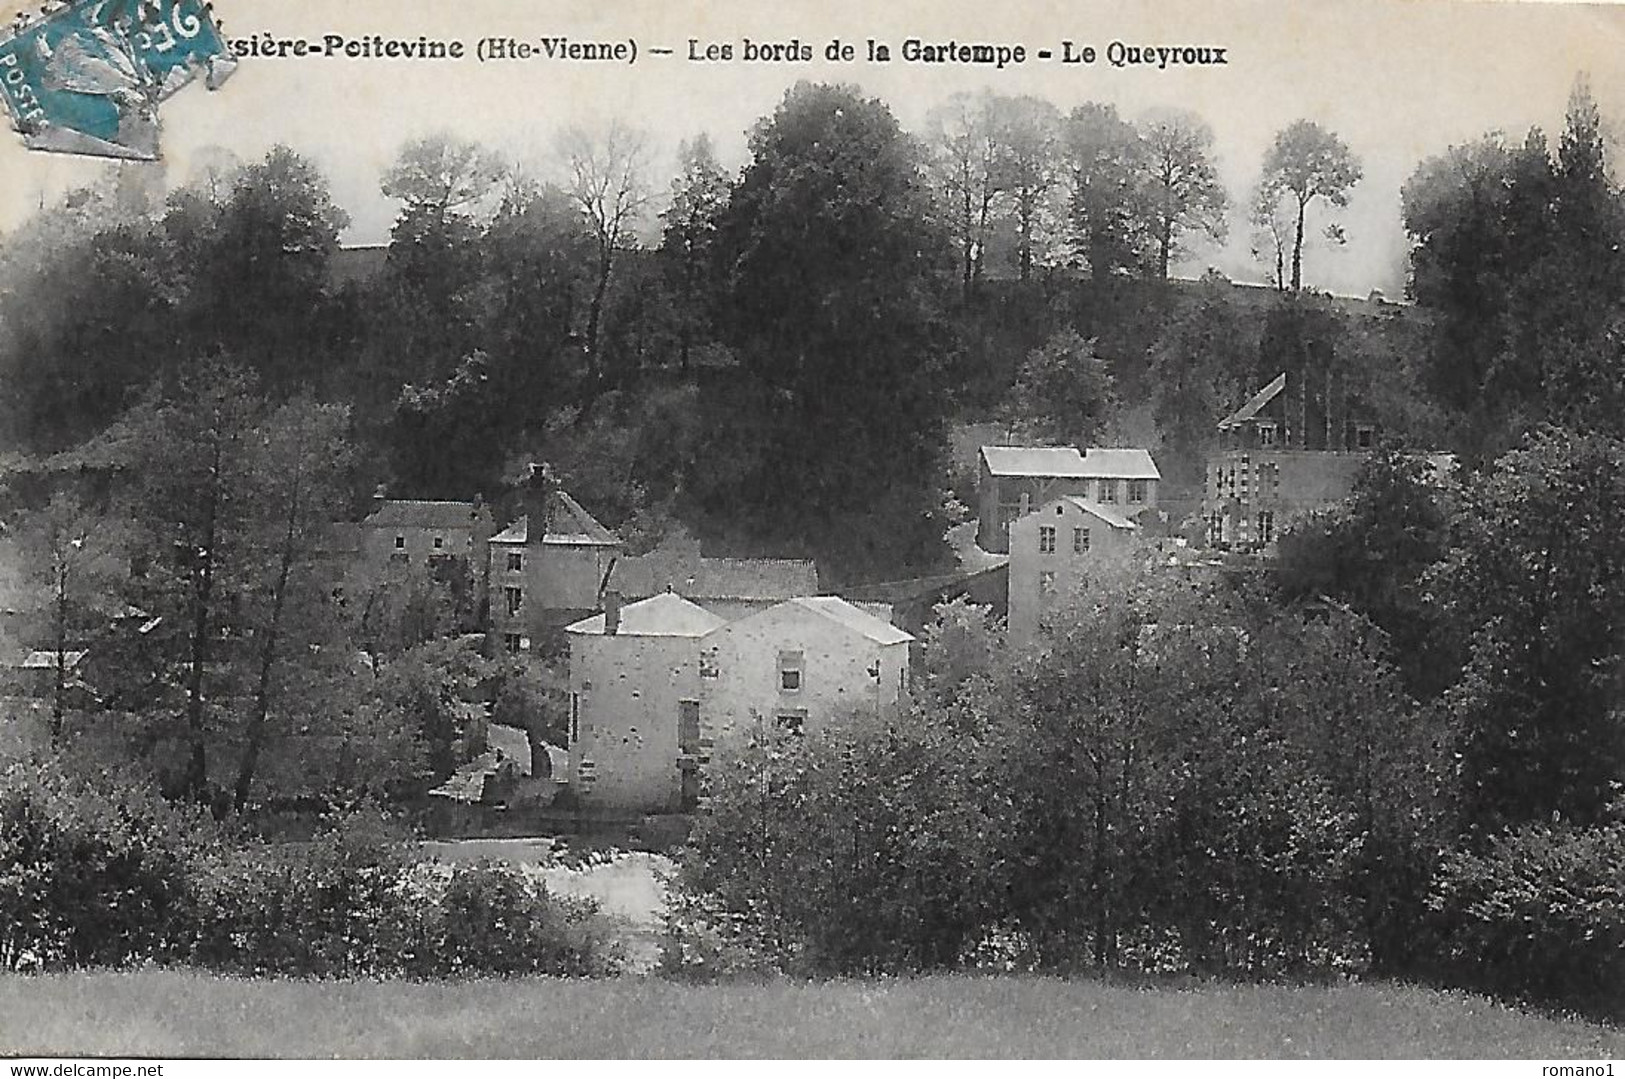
{"type": "Point", "coordinates": [90, 874]}
{"type": "Point", "coordinates": [1539, 915]}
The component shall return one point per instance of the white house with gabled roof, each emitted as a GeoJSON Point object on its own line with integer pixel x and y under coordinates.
{"type": "Point", "coordinates": [634, 732]}
{"type": "Point", "coordinates": [1054, 549]}
{"type": "Point", "coordinates": [801, 664]}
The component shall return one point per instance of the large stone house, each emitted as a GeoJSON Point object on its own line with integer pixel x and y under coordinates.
{"type": "Point", "coordinates": [1014, 480]}
{"type": "Point", "coordinates": [546, 569]}
{"type": "Point", "coordinates": [1052, 552]}
{"type": "Point", "coordinates": [801, 664]}
{"type": "Point", "coordinates": [1280, 457]}
{"type": "Point", "coordinates": [635, 691]}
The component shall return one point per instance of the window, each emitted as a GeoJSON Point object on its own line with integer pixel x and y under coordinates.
{"type": "Point", "coordinates": [400, 543]}
{"type": "Point", "coordinates": [439, 543]}
{"type": "Point", "coordinates": [1266, 526]}
{"type": "Point", "coordinates": [1046, 583]}
{"type": "Point", "coordinates": [1080, 541]}
{"type": "Point", "coordinates": [1046, 539]}
{"type": "Point", "coordinates": [516, 561]}
{"type": "Point", "coordinates": [1136, 491]}
{"type": "Point", "coordinates": [1266, 434]}
{"type": "Point", "coordinates": [575, 717]}
{"type": "Point", "coordinates": [792, 720]}
{"type": "Point", "coordinates": [1365, 436]}
{"type": "Point", "coordinates": [1108, 490]}
{"type": "Point", "coordinates": [515, 598]}
{"type": "Point", "coordinates": [708, 663]}
{"type": "Point", "coordinates": [513, 642]}
{"type": "Point", "coordinates": [688, 727]}
{"type": "Point", "coordinates": [790, 672]}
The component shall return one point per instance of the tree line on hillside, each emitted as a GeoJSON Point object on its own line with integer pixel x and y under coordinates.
{"type": "Point", "coordinates": [522, 313]}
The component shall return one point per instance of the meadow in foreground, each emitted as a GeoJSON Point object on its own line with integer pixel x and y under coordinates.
{"type": "Point", "coordinates": [184, 1014]}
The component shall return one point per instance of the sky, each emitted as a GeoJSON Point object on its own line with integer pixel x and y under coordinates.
{"type": "Point", "coordinates": [1397, 81]}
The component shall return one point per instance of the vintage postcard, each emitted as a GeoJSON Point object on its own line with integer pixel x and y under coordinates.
{"type": "Point", "coordinates": [1083, 530]}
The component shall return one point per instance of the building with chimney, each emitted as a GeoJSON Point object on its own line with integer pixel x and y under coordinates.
{"type": "Point", "coordinates": [421, 534]}
{"type": "Point", "coordinates": [546, 569]}
{"type": "Point", "coordinates": [1280, 456]}
{"type": "Point", "coordinates": [634, 734]}
{"type": "Point", "coordinates": [1015, 480]}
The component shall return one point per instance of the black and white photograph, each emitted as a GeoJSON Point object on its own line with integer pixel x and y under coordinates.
{"type": "Point", "coordinates": [607, 530]}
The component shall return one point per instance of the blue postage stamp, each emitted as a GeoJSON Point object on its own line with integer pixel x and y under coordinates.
{"type": "Point", "coordinates": [86, 77]}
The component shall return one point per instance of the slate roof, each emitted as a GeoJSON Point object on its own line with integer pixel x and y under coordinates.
{"type": "Point", "coordinates": [571, 524]}
{"type": "Point", "coordinates": [854, 618]}
{"type": "Point", "coordinates": [1110, 516]}
{"type": "Point", "coordinates": [417, 513]}
{"type": "Point", "coordinates": [510, 743]}
{"type": "Point", "coordinates": [1061, 461]}
{"type": "Point", "coordinates": [715, 578]}
{"type": "Point", "coordinates": [45, 659]}
{"type": "Point", "coordinates": [665, 615]}
{"type": "Point", "coordinates": [1120, 464]}
{"type": "Point", "coordinates": [1255, 403]}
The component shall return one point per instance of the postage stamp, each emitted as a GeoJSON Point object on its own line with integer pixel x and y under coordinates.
{"type": "Point", "coordinates": [87, 77]}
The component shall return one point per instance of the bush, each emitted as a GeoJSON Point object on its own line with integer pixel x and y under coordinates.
{"type": "Point", "coordinates": [89, 875]}
{"type": "Point", "coordinates": [1539, 916]}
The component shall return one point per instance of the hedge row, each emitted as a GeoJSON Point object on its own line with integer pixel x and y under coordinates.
{"type": "Point", "coordinates": [104, 875]}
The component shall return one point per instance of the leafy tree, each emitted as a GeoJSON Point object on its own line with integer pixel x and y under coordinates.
{"type": "Point", "coordinates": [442, 174]}
{"type": "Point", "coordinates": [699, 194]}
{"type": "Point", "coordinates": [1029, 135]}
{"type": "Point", "coordinates": [1374, 553]}
{"type": "Point", "coordinates": [1063, 392]}
{"type": "Point", "coordinates": [193, 503]}
{"type": "Point", "coordinates": [298, 459]}
{"type": "Point", "coordinates": [1304, 163]}
{"type": "Point", "coordinates": [1202, 365]}
{"type": "Point", "coordinates": [832, 308]}
{"type": "Point", "coordinates": [1102, 162]}
{"type": "Point", "coordinates": [1182, 188]}
{"type": "Point", "coordinates": [1532, 585]}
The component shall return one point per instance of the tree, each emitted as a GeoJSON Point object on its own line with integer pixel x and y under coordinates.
{"type": "Point", "coordinates": [442, 174]}
{"type": "Point", "coordinates": [1029, 136]}
{"type": "Point", "coordinates": [1182, 187]}
{"type": "Point", "coordinates": [832, 305]}
{"type": "Point", "coordinates": [1102, 162]}
{"type": "Point", "coordinates": [1532, 587]}
{"type": "Point", "coordinates": [193, 502]}
{"type": "Point", "coordinates": [1375, 553]}
{"type": "Point", "coordinates": [71, 550]}
{"type": "Point", "coordinates": [1304, 163]}
{"type": "Point", "coordinates": [699, 194]}
{"type": "Point", "coordinates": [1063, 392]}
{"type": "Point", "coordinates": [607, 181]}
{"type": "Point", "coordinates": [299, 456]}
{"type": "Point", "coordinates": [967, 168]}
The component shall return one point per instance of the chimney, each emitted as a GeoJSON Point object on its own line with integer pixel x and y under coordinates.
{"type": "Point", "coordinates": [380, 495]}
{"type": "Point", "coordinates": [539, 499]}
{"type": "Point", "coordinates": [612, 613]}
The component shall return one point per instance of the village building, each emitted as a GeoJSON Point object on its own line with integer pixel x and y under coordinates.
{"type": "Point", "coordinates": [1014, 480]}
{"type": "Point", "coordinates": [1053, 550]}
{"type": "Point", "coordinates": [635, 692]}
{"type": "Point", "coordinates": [729, 588]}
{"type": "Point", "coordinates": [547, 569]}
{"type": "Point", "coordinates": [1279, 458]}
{"type": "Point", "coordinates": [801, 664]}
{"type": "Point", "coordinates": [415, 532]}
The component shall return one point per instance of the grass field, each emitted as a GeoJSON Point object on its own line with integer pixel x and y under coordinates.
{"type": "Point", "coordinates": [183, 1014]}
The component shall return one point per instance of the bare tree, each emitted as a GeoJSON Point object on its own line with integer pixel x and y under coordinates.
{"type": "Point", "coordinates": [608, 182]}
{"type": "Point", "coordinates": [965, 166]}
